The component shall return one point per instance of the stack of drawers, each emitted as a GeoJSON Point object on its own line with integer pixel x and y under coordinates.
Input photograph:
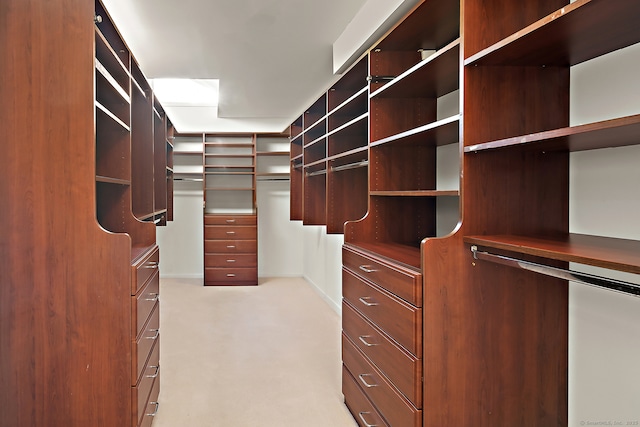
{"type": "Point", "coordinates": [145, 330]}
{"type": "Point", "coordinates": [381, 340]}
{"type": "Point", "coordinates": [230, 250]}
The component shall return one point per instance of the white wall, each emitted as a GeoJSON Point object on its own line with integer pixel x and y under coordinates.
{"type": "Point", "coordinates": [604, 327]}
{"type": "Point", "coordinates": [322, 266]}
{"type": "Point", "coordinates": [280, 245]}
{"type": "Point", "coordinates": [181, 240]}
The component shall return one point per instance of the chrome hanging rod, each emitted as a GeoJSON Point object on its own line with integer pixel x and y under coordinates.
{"type": "Point", "coordinates": [320, 172]}
{"type": "Point", "coordinates": [560, 273]}
{"type": "Point", "coordinates": [348, 166]}
{"type": "Point", "coordinates": [188, 179]}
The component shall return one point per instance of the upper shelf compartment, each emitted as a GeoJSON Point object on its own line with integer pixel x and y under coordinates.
{"type": "Point", "coordinates": [568, 36]}
{"type": "Point", "coordinates": [430, 27]}
{"type": "Point", "coordinates": [435, 76]}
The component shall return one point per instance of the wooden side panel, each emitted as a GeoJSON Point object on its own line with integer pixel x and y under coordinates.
{"type": "Point", "coordinates": [65, 354]}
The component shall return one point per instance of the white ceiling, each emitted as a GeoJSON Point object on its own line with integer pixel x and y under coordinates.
{"type": "Point", "coordinates": [273, 57]}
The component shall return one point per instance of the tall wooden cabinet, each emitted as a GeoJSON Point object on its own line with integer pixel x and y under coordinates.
{"type": "Point", "coordinates": [79, 330]}
{"type": "Point", "coordinates": [442, 322]}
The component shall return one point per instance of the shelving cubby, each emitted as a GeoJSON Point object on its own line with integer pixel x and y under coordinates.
{"type": "Point", "coordinates": [272, 157]}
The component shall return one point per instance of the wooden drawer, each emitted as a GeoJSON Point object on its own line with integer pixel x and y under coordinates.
{"type": "Point", "coordinates": [151, 408]}
{"type": "Point", "coordinates": [222, 232]}
{"type": "Point", "coordinates": [397, 279]}
{"type": "Point", "coordinates": [402, 322]}
{"type": "Point", "coordinates": [400, 367]}
{"type": "Point", "coordinates": [361, 408]}
{"type": "Point", "coordinates": [142, 389]}
{"type": "Point", "coordinates": [143, 303]}
{"type": "Point", "coordinates": [231, 275]}
{"type": "Point", "coordinates": [230, 220]}
{"type": "Point", "coordinates": [395, 408]}
{"type": "Point", "coordinates": [142, 346]}
{"type": "Point", "coordinates": [230, 246]}
{"type": "Point", "coordinates": [231, 260]}
{"type": "Point", "coordinates": [143, 269]}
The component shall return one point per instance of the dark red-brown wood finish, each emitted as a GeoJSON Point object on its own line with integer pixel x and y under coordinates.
{"type": "Point", "coordinates": [64, 324]}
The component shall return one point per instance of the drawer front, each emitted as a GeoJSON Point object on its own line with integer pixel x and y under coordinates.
{"type": "Point", "coordinates": [143, 270]}
{"type": "Point", "coordinates": [400, 367]}
{"type": "Point", "coordinates": [231, 275]}
{"type": "Point", "coordinates": [230, 246]}
{"type": "Point", "coordinates": [142, 390]}
{"type": "Point", "coordinates": [231, 260]}
{"type": "Point", "coordinates": [395, 409]}
{"type": "Point", "coordinates": [151, 407]}
{"type": "Point", "coordinates": [143, 303]}
{"type": "Point", "coordinates": [143, 345]}
{"type": "Point", "coordinates": [401, 321]}
{"type": "Point", "coordinates": [361, 408]}
{"type": "Point", "coordinates": [221, 232]}
{"type": "Point", "coordinates": [401, 281]}
{"type": "Point", "coordinates": [230, 220]}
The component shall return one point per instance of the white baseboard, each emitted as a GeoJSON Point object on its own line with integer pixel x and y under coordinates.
{"type": "Point", "coordinates": [334, 306]}
{"type": "Point", "coordinates": [181, 276]}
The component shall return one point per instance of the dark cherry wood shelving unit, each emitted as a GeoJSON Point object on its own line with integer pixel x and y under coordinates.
{"type": "Point", "coordinates": [81, 282]}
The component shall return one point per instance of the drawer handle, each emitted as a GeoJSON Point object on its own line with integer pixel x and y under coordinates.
{"type": "Point", "coordinates": [154, 296]}
{"type": "Point", "coordinates": [231, 232]}
{"type": "Point", "coordinates": [366, 384]}
{"type": "Point", "coordinates": [155, 412]}
{"type": "Point", "coordinates": [365, 301]}
{"type": "Point", "coordinates": [231, 260]}
{"type": "Point", "coordinates": [231, 275]}
{"type": "Point", "coordinates": [363, 339]}
{"type": "Point", "coordinates": [366, 424]}
{"type": "Point", "coordinates": [152, 264]}
{"type": "Point", "coordinates": [231, 221]}
{"type": "Point", "coordinates": [231, 247]}
{"type": "Point", "coordinates": [367, 269]}
{"type": "Point", "coordinates": [155, 374]}
{"type": "Point", "coordinates": [155, 337]}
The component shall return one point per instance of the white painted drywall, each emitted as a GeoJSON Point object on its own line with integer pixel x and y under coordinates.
{"type": "Point", "coordinates": [604, 327]}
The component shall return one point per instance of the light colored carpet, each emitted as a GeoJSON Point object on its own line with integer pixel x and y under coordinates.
{"type": "Point", "coordinates": [266, 355]}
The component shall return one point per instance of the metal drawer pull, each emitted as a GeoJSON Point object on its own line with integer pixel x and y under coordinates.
{"type": "Point", "coordinates": [155, 412]}
{"type": "Point", "coordinates": [366, 384]}
{"type": "Point", "coordinates": [366, 424]}
{"type": "Point", "coordinates": [231, 260]}
{"type": "Point", "coordinates": [363, 338]}
{"type": "Point", "coordinates": [367, 269]}
{"type": "Point", "coordinates": [154, 297]}
{"type": "Point", "coordinates": [155, 374]}
{"type": "Point", "coordinates": [231, 221]}
{"type": "Point", "coordinates": [365, 301]}
{"type": "Point", "coordinates": [231, 232]}
{"type": "Point", "coordinates": [155, 337]}
{"type": "Point", "coordinates": [231, 247]}
{"type": "Point", "coordinates": [152, 264]}
{"type": "Point", "coordinates": [231, 275]}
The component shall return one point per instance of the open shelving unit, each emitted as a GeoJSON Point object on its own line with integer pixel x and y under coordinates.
{"type": "Point", "coordinates": [329, 155]}
{"type": "Point", "coordinates": [81, 281]}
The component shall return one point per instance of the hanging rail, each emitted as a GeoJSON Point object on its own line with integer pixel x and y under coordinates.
{"type": "Point", "coordinates": [320, 172]}
{"type": "Point", "coordinates": [560, 273]}
{"type": "Point", "coordinates": [348, 166]}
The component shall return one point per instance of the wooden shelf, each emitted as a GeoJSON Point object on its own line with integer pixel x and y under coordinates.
{"type": "Point", "coordinates": [442, 132]}
{"type": "Point", "coordinates": [618, 132]}
{"type": "Point", "coordinates": [416, 193]}
{"type": "Point", "coordinates": [111, 180]}
{"type": "Point", "coordinates": [273, 153]}
{"type": "Point", "coordinates": [604, 252]}
{"type": "Point", "coordinates": [430, 78]}
{"type": "Point", "coordinates": [576, 33]}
